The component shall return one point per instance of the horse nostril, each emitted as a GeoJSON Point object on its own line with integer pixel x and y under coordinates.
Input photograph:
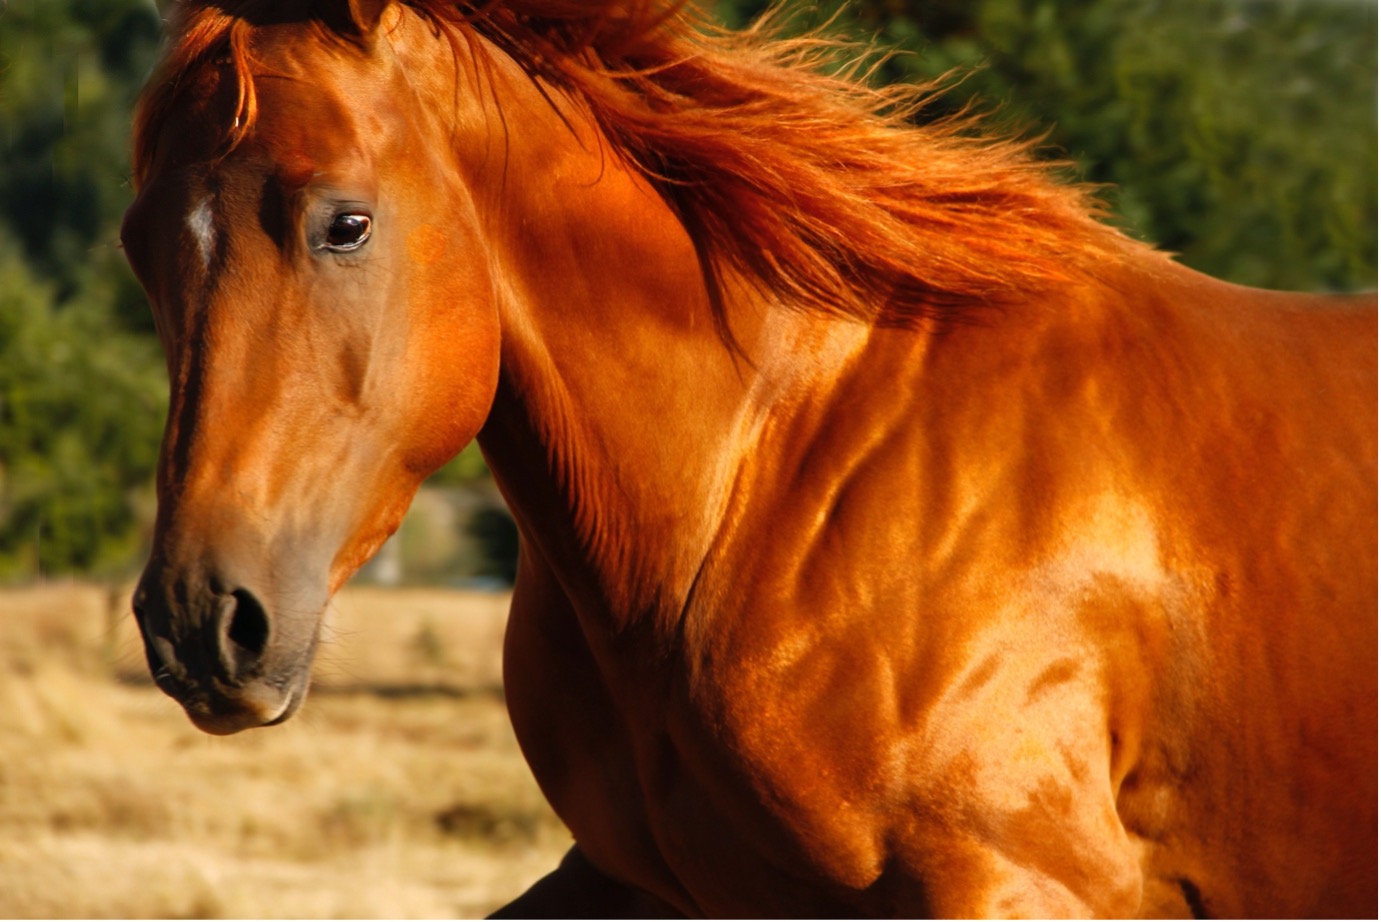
{"type": "Point", "coordinates": [139, 604]}
{"type": "Point", "coordinates": [249, 626]}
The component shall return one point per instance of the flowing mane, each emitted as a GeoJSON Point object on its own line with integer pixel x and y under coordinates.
{"type": "Point", "coordinates": [783, 166]}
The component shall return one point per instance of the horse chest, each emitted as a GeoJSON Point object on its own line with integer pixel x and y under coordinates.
{"type": "Point", "coordinates": [660, 790]}
{"type": "Point", "coordinates": [980, 723]}
{"type": "Point", "coordinates": [826, 770]}
{"type": "Point", "coordinates": [852, 738]}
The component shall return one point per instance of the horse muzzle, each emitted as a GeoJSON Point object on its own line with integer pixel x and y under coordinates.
{"type": "Point", "coordinates": [220, 653]}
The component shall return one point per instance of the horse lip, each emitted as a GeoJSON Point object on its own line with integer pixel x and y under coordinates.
{"type": "Point", "coordinates": [223, 724]}
{"type": "Point", "coordinates": [290, 707]}
{"type": "Point", "coordinates": [224, 711]}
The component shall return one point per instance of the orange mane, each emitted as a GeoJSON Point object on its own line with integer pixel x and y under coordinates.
{"type": "Point", "coordinates": [783, 167]}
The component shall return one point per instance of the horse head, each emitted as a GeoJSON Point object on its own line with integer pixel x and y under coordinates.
{"type": "Point", "coordinates": [312, 263]}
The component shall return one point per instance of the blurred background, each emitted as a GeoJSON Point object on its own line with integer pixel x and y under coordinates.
{"type": "Point", "coordinates": [1240, 134]}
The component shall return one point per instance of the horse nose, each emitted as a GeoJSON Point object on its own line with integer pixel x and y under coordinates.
{"type": "Point", "coordinates": [212, 649]}
{"type": "Point", "coordinates": [190, 635]}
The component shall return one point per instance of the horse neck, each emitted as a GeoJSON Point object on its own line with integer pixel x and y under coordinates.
{"type": "Point", "coordinates": [618, 408]}
{"type": "Point", "coordinates": [621, 415]}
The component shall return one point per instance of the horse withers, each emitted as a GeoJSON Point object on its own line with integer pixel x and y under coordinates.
{"type": "Point", "coordinates": [897, 538]}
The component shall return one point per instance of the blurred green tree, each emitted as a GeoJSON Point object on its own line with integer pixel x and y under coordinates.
{"type": "Point", "coordinates": [1240, 134]}
{"type": "Point", "coordinates": [69, 74]}
{"type": "Point", "coordinates": [82, 390]}
{"type": "Point", "coordinates": [496, 535]}
{"type": "Point", "coordinates": [81, 408]}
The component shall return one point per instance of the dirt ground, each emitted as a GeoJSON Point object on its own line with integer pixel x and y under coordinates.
{"type": "Point", "coordinates": [397, 792]}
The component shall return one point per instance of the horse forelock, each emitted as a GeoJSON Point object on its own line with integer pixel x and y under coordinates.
{"type": "Point", "coordinates": [211, 39]}
{"type": "Point", "coordinates": [786, 169]}
{"type": "Point", "coordinates": [199, 35]}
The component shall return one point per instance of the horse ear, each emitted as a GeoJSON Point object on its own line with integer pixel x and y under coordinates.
{"type": "Point", "coordinates": [358, 19]}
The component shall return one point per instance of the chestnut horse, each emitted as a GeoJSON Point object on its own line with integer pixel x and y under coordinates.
{"type": "Point", "coordinates": [897, 538]}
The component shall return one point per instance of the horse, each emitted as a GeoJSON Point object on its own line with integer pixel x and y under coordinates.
{"type": "Point", "coordinates": [898, 537]}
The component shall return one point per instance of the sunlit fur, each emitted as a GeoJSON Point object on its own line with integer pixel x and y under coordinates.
{"type": "Point", "coordinates": [898, 539]}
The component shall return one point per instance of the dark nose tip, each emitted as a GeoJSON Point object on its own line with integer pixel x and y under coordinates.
{"type": "Point", "coordinates": [221, 633]}
{"type": "Point", "coordinates": [216, 650]}
{"type": "Point", "coordinates": [165, 667]}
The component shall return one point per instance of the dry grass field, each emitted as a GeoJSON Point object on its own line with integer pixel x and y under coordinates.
{"type": "Point", "coordinates": [398, 791]}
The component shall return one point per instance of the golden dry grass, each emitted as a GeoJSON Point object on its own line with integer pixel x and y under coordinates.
{"type": "Point", "coordinates": [397, 792]}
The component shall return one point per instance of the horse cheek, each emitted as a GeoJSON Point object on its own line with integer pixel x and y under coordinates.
{"type": "Point", "coordinates": [453, 364]}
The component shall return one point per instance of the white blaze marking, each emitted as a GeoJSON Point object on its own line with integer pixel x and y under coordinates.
{"type": "Point", "coordinates": [201, 223]}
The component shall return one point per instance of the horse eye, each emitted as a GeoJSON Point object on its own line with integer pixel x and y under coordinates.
{"type": "Point", "coordinates": [348, 232]}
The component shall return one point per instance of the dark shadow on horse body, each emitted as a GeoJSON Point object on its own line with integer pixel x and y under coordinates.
{"type": "Point", "coordinates": [578, 890]}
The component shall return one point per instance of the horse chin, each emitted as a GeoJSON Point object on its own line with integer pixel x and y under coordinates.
{"type": "Point", "coordinates": [262, 704]}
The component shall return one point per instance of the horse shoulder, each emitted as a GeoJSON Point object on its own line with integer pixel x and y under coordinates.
{"type": "Point", "coordinates": [980, 613]}
{"type": "Point", "coordinates": [904, 671]}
